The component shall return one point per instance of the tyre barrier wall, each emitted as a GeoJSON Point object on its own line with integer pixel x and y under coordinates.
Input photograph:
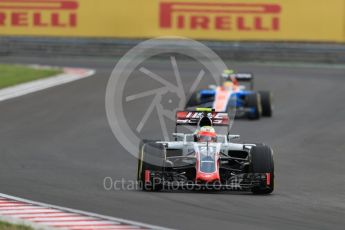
{"type": "Point", "coordinates": [238, 51]}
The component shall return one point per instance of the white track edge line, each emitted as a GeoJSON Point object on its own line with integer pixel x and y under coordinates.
{"type": "Point", "coordinates": [130, 222]}
{"type": "Point", "coordinates": [41, 84]}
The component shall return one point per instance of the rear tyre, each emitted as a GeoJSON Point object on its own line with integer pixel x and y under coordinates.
{"type": "Point", "coordinates": [253, 101]}
{"type": "Point", "coordinates": [194, 100]}
{"type": "Point", "coordinates": [262, 163]}
{"type": "Point", "coordinates": [266, 103]}
{"type": "Point", "coordinates": [150, 166]}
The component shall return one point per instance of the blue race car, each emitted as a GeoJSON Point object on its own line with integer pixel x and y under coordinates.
{"type": "Point", "coordinates": [233, 97]}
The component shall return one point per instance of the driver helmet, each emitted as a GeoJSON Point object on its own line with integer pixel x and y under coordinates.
{"type": "Point", "coordinates": [206, 134]}
{"type": "Point", "coordinates": [227, 73]}
{"type": "Point", "coordinates": [230, 79]}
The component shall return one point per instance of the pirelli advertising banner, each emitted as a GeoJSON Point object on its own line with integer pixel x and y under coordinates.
{"type": "Point", "coordinates": [288, 20]}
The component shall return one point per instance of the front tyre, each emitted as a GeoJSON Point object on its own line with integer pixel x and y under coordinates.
{"type": "Point", "coordinates": [150, 166]}
{"type": "Point", "coordinates": [262, 163]}
{"type": "Point", "coordinates": [253, 102]}
{"type": "Point", "coordinates": [266, 103]}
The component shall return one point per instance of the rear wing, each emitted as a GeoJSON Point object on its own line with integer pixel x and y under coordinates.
{"type": "Point", "coordinates": [245, 77]}
{"type": "Point", "coordinates": [192, 118]}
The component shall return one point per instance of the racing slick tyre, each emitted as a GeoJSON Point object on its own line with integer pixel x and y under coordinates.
{"type": "Point", "coordinates": [262, 163]}
{"type": "Point", "coordinates": [254, 101]}
{"type": "Point", "coordinates": [194, 100]}
{"type": "Point", "coordinates": [150, 165]}
{"type": "Point", "coordinates": [266, 103]}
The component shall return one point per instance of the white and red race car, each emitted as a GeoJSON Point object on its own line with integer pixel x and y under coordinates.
{"type": "Point", "coordinates": [188, 163]}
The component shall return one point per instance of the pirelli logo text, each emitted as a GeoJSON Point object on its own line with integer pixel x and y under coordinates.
{"type": "Point", "coordinates": [244, 17]}
{"type": "Point", "coordinates": [38, 13]}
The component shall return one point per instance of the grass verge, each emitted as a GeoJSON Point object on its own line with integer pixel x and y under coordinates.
{"type": "Point", "coordinates": [15, 74]}
{"type": "Point", "coordinates": [7, 226]}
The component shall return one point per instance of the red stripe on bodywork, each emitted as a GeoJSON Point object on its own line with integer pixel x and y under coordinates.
{"type": "Point", "coordinates": [268, 178]}
{"type": "Point", "coordinates": [147, 176]}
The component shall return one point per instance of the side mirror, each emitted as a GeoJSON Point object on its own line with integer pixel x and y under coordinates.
{"type": "Point", "coordinates": [242, 87]}
{"type": "Point", "coordinates": [233, 137]}
{"type": "Point", "coordinates": [213, 87]}
{"type": "Point", "coordinates": [178, 136]}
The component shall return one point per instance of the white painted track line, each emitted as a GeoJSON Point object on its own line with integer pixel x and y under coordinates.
{"type": "Point", "coordinates": [68, 75]}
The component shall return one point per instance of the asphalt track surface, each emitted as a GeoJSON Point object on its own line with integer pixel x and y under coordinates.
{"type": "Point", "coordinates": [56, 147]}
